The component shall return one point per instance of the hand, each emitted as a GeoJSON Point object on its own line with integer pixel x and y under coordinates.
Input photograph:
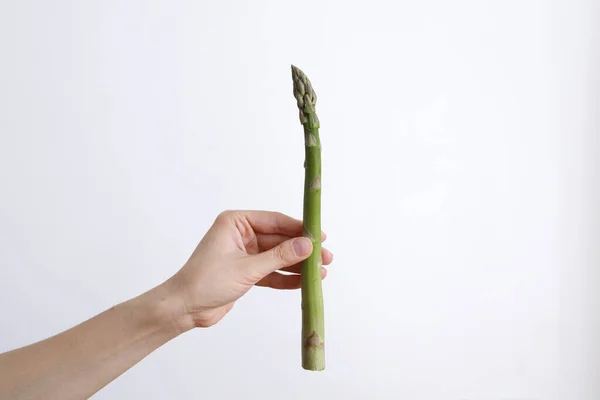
{"type": "Point", "coordinates": [242, 249]}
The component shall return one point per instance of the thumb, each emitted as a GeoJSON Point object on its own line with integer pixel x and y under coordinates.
{"type": "Point", "coordinates": [286, 254]}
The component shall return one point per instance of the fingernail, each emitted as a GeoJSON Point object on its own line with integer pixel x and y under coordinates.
{"type": "Point", "coordinates": [302, 246]}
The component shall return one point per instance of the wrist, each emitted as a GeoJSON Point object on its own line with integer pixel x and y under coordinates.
{"type": "Point", "coordinates": [168, 309]}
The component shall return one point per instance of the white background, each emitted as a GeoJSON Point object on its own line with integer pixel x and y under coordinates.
{"type": "Point", "coordinates": [460, 187]}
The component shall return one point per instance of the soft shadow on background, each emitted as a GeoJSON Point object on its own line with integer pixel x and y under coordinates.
{"type": "Point", "coordinates": [580, 273]}
{"type": "Point", "coordinates": [578, 102]}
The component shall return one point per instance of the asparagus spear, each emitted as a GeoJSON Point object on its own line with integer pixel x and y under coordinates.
{"type": "Point", "coordinates": [313, 335]}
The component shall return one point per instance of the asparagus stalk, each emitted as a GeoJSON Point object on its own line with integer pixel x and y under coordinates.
{"type": "Point", "coordinates": [313, 327]}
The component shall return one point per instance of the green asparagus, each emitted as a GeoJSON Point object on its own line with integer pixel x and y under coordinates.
{"type": "Point", "coordinates": [313, 327]}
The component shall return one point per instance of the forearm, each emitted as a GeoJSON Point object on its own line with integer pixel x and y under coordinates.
{"type": "Point", "coordinates": [80, 361]}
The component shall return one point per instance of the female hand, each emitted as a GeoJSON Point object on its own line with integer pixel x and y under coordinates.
{"type": "Point", "coordinates": [240, 250]}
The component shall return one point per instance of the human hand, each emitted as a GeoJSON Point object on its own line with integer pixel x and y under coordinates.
{"type": "Point", "coordinates": [241, 249]}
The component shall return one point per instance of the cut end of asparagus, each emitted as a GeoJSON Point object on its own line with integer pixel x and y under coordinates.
{"type": "Point", "coordinates": [314, 353]}
{"type": "Point", "coordinates": [306, 98]}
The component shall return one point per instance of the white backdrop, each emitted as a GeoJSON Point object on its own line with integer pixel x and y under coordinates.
{"type": "Point", "coordinates": [460, 187]}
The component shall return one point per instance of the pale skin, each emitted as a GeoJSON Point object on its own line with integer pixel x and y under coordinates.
{"type": "Point", "coordinates": [242, 249]}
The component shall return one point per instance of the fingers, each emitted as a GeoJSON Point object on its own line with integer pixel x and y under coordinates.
{"type": "Point", "coordinates": [267, 241]}
{"type": "Point", "coordinates": [326, 256]}
{"type": "Point", "coordinates": [269, 222]}
{"type": "Point", "coordinates": [276, 280]}
{"type": "Point", "coordinates": [285, 254]}
{"type": "Point", "coordinates": [272, 222]}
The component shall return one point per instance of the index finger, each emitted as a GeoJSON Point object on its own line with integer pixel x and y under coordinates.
{"type": "Point", "coordinates": [273, 222]}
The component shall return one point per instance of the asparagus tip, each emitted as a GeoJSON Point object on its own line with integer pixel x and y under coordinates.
{"type": "Point", "coordinates": [305, 95]}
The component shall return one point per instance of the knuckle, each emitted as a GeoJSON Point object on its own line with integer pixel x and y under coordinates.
{"type": "Point", "coordinates": [279, 256]}
{"type": "Point", "coordinates": [279, 215]}
{"type": "Point", "coordinates": [225, 215]}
